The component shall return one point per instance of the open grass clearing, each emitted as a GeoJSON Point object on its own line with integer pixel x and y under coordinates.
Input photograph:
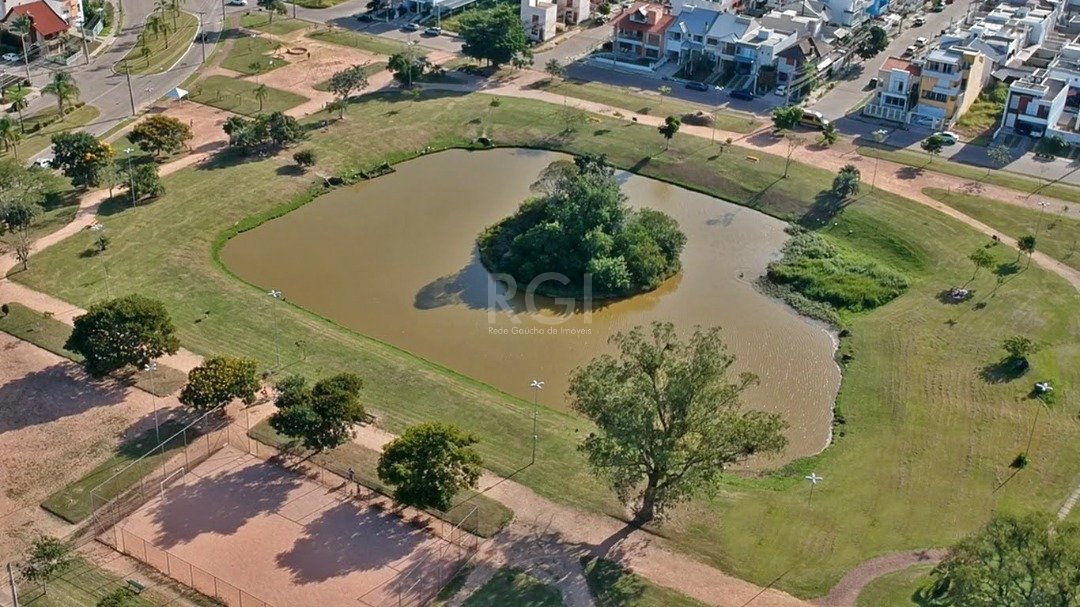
{"type": "Point", "coordinates": [898, 589]}
{"type": "Point", "coordinates": [1003, 178]}
{"type": "Point", "coordinates": [238, 96]}
{"type": "Point", "coordinates": [979, 122]}
{"type": "Point", "coordinates": [925, 441]}
{"type": "Point", "coordinates": [43, 125]}
{"type": "Point", "coordinates": [612, 585]}
{"type": "Point", "coordinates": [280, 26]}
{"type": "Point", "coordinates": [1056, 235]}
{"type": "Point", "coordinates": [514, 587]}
{"type": "Point", "coordinates": [364, 42]}
{"type": "Point", "coordinates": [51, 334]}
{"type": "Point", "coordinates": [641, 103]}
{"type": "Point", "coordinates": [73, 503]}
{"type": "Point", "coordinates": [162, 50]}
{"type": "Point", "coordinates": [253, 55]}
{"type": "Point", "coordinates": [490, 517]}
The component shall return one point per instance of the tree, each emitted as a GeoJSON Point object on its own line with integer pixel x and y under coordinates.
{"type": "Point", "coordinates": [664, 91]}
{"type": "Point", "coordinates": [876, 40]}
{"type": "Point", "coordinates": [120, 597]}
{"type": "Point", "coordinates": [1053, 146]}
{"type": "Point", "coordinates": [21, 26]}
{"type": "Point", "coordinates": [9, 135]}
{"type": "Point", "coordinates": [48, 557]}
{"type": "Point", "coordinates": [261, 93]}
{"type": "Point", "coordinates": [829, 135]}
{"type": "Point", "coordinates": [145, 181]}
{"type": "Point", "coordinates": [131, 330]}
{"type": "Point", "coordinates": [1000, 155]}
{"type": "Point", "coordinates": [1025, 246]}
{"type": "Point", "coordinates": [785, 118]}
{"type": "Point", "coordinates": [23, 191]}
{"type": "Point", "coordinates": [846, 182]}
{"type": "Point", "coordinates": [344, 83]}
{"type": "Point", "coordinates": [320, 416]}
{"type": "Point", "coordinates": [18, 96]}
{"type": "Point", "coordinates": [429, 464]}
{"type": "Point", "coordinates": [933, 145]}
{"type": "Point", "coordinates": [272, 7]}
{"type": "Point", "coordinates": [159, 133]}
{"type": "Point", "coordinates": [1019, 348]}
{"type": "Point", "coordinates": [1014, 560]}
{"type": "Point", "coordinates": [264, 130]}
{"type": "Point", "coordinates": [304, 158]}
{"type": "Point", "coordinates": [495, 35]}
{"type": "Point", "coordinates": [407, 67]}
{"type": "Point", "coordinates": [554, 69]}
{"type": "Point", "coordinates": [982, 259]}
{"type": "Point", "coordinates": [220, 380]}
{"type": "Point", "coordinates": [604, 8]}
{"type": "Point", "coordinates": [63, 87]}
{"type": "Point", "coordinates": [668, 417]}
{"type": "Point", "coordinates": [668, 129]}
{"type": "Point", "coordinates": [81, 157]}
{"type": "Point", "coordinates": [793, 143]}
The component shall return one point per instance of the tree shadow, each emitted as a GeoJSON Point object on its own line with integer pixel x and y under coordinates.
{"type": "Point", "coordinates": [1007, 269]}
{"type": "Point", "coordinates": [343, 539]}
{"type": "Point", "coordinates": [223, 501]}
{"type": "Point", "coordinates": [53, 393]}
{"type": "Point", "coordinates": [909, 172]}
{"type": "Point", "coordinates": [1004, 371]}
{"type": "Point", "coordinates": [290, 170]}
{"type": "Point", "coordinates": [825, 208]}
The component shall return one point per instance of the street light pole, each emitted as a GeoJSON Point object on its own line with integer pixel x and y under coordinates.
{"type": "Point", "coordinates": [537, 386]}
{"type": "Point", "coordinates": [1042, 211]}
{"type": "Point", "coordinates": [275, 294]}
{"type": "Point", "coordinates": [131, 92]}
{"type": "Point", "coordinates": [202, 34]}
{"type": "Point", "coordinates": [879, 136]}
{"type": "Point", "coordinates": [814, 480]}
{"type": "Point", "coordinates": [151, 368]}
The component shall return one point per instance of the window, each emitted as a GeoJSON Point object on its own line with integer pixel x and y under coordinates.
{"type": "Point", "coordinates": [696, 38]}
{"type": "Point", "coordinates": [674, 36]}
{"type": "Point", "coordinates": [712, 41]}
{"type": "Point", "coordinates": [900, 86]}
{"type": "Point", "coordinates": [932, 96]}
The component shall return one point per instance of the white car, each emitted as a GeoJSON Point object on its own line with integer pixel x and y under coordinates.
{"type": "Point", "coordinates": [11, 57]}
{"type": "Point", "coordinates": [237, 2]}
{"type": "Point", "coordinates": [45, 163]}
{"type": "Point", "coordinates": [921, 41]}
{"type": "Point", "coordinates": [781, 91]}
{"type": "Point", "coordinates": [950, 137]}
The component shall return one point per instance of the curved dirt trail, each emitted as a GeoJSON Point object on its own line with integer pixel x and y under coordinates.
{"type": "Point", "coordinates": [846, 592]}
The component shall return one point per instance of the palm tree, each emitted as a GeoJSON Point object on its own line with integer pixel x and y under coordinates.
{"type": "Point", "coordinates": [260, 95]}
{"type": "Point", "coordinates": [21, 26]}
{"type": "Point", "coordinates": [9, 135]}
{"type": "Point", "coordinates": [63, 87]}
{"type": "Point", "coordinates": [18, 96]}
{"type": "Point", "coordinates": [176, 5]}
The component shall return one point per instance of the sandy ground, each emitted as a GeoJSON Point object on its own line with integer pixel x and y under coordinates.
{"type": "Point", "coordinates": [280, 538]}
{"type": "Point", "coordinates": [55, 425]}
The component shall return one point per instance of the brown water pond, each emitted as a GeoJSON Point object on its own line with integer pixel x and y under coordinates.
{"type": "Point", "coordinates": [394, 258]}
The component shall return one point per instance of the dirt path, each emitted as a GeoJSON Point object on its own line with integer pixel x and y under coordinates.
{"type": "Point", "coordinates": [845, 593]}
{"type": "Point", "coordinates": [1070, 503]}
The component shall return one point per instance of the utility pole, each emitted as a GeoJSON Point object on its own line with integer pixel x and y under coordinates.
{"type": "Point", "coordinates": [85, 44]}
{"type": "Point", "coordinates": [222, 16]}
{"type": "Point", "coordinates": [131, 93]}
{"type": "Point", "coordinates": [202, 34]}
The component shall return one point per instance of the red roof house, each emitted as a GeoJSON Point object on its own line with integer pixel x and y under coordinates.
{"type": "Point", "coordinates": [45, 23]}
{"type": "Point", "coordinates": [641, 30]}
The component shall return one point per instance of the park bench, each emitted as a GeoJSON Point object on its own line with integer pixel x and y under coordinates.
{"type": "Point", "coordinates": [137, 587]}
{"type": "Point", "coordinates": [752, 158]}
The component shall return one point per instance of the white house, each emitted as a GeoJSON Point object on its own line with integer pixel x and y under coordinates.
{"type": "Point", "coordinates": [539, 18]}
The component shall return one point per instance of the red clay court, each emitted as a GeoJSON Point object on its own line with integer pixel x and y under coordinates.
{"type": "Point", "coordinates": [255, 533]}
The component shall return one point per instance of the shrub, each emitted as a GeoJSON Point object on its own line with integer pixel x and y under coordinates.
{"type": "Point", "coordinates": [305, 158]}
{"type": "Point", "coordinates": [698, 119]}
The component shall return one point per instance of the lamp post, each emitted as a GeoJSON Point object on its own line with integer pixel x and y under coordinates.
{"type": "Point", "coordinates": [277, 295]}
{"type": "Point", "coordinates": [879, 136]}
{"type": "Point", "coordinates": [202, 36]}
{"type": "Point", "coordinates": [537, 386]}
{"type": "Point", "coordinates": [131, 175]}
{"type": "Point", "coordinates": [814, 480]}
{"type": "Point", "coordinates": [100, 229]}
{"type": "Point", "coordinates": [151, 367]}
{"type": "Point", "coordinates": [1042, 211]}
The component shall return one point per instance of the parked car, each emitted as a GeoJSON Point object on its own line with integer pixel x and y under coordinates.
{"type": "Point", "coordinates": [45, 163]}
{"type": "Point", "coordinates": [12, 57]}
{"type": "Point", "coordinates": [950, 137]}
{"type": "Point", "coordinates": [918, 20]}
{"type": "Point", "coordinates": [781, 91]}
{"type": "Point", "coordinates": [873, 83]}
{"type": "Point", "coordinates": [433, 31]}
{"type": "Point", "coordinates": [910, 51]}
{"type": "Point", "coordinates": [921, 41]}
{"type": "Point", "coordinates": [743, 94]}
{"type": "Point", "coordinates": [697, 86]}
{"type": "Point", "coordinates": [813, 119]}
{"type": "Point", "coordinates": [937, 8]}
{"type": "Point", "coordinates": [410, 27]}
{"type": "Point", "coordinates": [237, 2]}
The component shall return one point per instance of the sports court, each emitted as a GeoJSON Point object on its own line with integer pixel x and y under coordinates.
{"type": "Point", "coordinates": [255, 534]}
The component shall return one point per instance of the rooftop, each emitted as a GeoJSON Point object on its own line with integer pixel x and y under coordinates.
{"type": "Point", "coordinates": [44, 19]}
{"type": "Point", "coordinates": [896, 63]}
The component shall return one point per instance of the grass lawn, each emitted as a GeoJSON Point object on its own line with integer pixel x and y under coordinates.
{"type": "Point", "coordinates": [280, 26]}
{"type": "Point", "coordinates": [1005, 179]}
{"type": "Point", "coordinates": [73, 503]}
{"type": "Point", "coordinates": [50, 334]}
{"type": "Point", "coordinates": [364, 42]}
{"type": "Point", "coordinates": [926, 439]}
{"type": "Point", "coordinates": [612, 585]}
{"type": "Point", "coordinates": [517, 588]}
{"type": "Point", "coordinates": [83, 584]}
{"type": "Point", "coordinates": [369, 70]}
{"type": "Point", "coordinates": [983, 115]}
{"type": "Point", "coordinates": [490, 518]}
{"type": "Point", "coordinates": [898, 589]}
{"type": "Point", "coordinates": [318, 3]}
{"type": "Point", "coordinates": [1057, 236]}
{"type": "Point", "coordinates": [645, 104]}
{"type": "Point", "coordinates": [253, 55]}
{"type": "Point", "coordinates": [239, 96]}
{"type": "Point", "coordinates": [36, 141]}
{"type": "Point", "coordinates": [164, 51]}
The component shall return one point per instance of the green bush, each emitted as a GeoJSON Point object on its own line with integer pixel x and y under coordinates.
{"type": "Point", "coordinates": [822, 271]}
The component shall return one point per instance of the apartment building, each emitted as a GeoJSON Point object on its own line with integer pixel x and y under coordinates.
{"type": "Point", "coordinates": [950, 81]}
{"type": "Point", "coordinates": [897, 91]}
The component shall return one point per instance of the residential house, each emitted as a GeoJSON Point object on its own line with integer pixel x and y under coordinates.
{"type": "Point", "coordinates": [846, 13]}
{"type": "Point", "coordinates": [950, 81]}
{"type": "Point", "coordinates": [539, 18]}
{"type": "Point", "coordinates": [641, 30]}
{"type": "Point", "coordinates": [897, 91]}
{"type": "Point", "coordinates": [686, 37]}
{"type": "Point", "coordinates": [1046, 101]}
{"type": "Point", "coordinates": [742, 47]}
{"type": "Point", "coordinates": [719, 6]}
{"type": "Point", "coordinates": [878, 8]}
{"type": "Point", "coordinates": [46, 24]}
{"type": "Point", "coordinates": [800, 64]}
